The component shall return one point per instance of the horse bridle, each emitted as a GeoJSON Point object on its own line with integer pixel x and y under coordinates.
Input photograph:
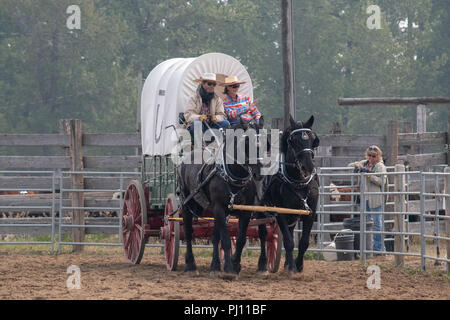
{"type": "Point", "coordinates": [297, 154]}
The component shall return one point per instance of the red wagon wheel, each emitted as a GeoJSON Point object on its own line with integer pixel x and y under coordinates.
{"type": "Point", "coordinates": [171, 233]}
{"type": "Point", "coordinates": [134, 219]}
{"type": "Point", "coordinates": [274, 246]}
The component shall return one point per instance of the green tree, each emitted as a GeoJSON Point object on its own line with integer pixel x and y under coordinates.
{"type": "Point", "coordinates": [53, 72]}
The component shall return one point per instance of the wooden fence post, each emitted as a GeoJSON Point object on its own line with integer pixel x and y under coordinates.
{"type": "Point", "coordinates": [138, 108]}
{"type": "Point", "coordinates": [337, 129]}
{"type": "Point", "coordinates": [421, 123]}
{"type": "Point", "coordinates": [75, 151]}
{"type": "Point", "coordinates": [407, 127]}
{"type": "Point", "coordinates": [399, 206]}
{"type": "Point", "coordinates": [392, 143]}
{"type": "Point", "coordinates": [447, 213]}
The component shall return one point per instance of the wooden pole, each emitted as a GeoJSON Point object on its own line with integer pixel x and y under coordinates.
{"type": "Point", "coordinates": [138, 109]}
{"type": "Point", "coordinates": [273, 209]}
{"type": "Point", "coordinates": [407, 127]}
{"type": "Point", "coordinates": [421, 118]}
{"type": "Point", "coordinates": [421, 123]}
{"type": "Point", "coordinates": [383, 101]}
{"type": "Point", "coordinates": [399, 201]}
{"type": "Point", "coordinates": [337, 129]}
{"type": "Point", "coordinates": [391, 143]}
{"type": "Point", "coordinates": [206, 219]}
{"type": "Point", "coordinates": [73, 129]}
{"type": "Point", "coordinates": [287, 39]}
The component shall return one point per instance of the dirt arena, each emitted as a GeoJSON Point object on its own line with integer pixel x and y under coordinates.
{"type": "Point", "coordinates": [106, 275]}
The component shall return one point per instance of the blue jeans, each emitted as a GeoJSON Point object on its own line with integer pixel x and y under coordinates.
{"type": "Point", "coordinates": [217, 125]}
{"type": "Point", "coordinates": [377, 226]}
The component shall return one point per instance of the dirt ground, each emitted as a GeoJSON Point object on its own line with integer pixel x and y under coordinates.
{"type": "Point", "coordinates": [109, 276]}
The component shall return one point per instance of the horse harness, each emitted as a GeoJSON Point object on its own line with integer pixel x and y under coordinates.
{"type": "Point", "coordinates": [231, 181]}
{"type": "Point", "coordinates": [295, 186]}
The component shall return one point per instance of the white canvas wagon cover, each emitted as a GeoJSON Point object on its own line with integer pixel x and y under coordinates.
{"type": "Point", "coordinates": [168, 88]}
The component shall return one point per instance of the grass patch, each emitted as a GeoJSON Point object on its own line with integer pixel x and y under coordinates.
{"type": "Point", "coordinates": [446, 277]}
{"type": "Point", "coordinates": [413, 271]}
{"type": "Point", "coordinates": [312, 255]}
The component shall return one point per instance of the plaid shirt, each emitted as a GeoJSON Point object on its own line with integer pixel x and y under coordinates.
{"type": "Point", "coordinates": [240, 108]}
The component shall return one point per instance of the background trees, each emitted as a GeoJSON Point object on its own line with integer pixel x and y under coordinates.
{"type": "Point", "coordinates": [49, 72]}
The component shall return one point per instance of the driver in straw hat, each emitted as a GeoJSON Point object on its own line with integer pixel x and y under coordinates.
{"type": "Point", "coordinates": [205, 106]}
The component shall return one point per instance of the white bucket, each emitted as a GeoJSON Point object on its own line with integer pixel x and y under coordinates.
{"type": "Point", "coordinates": [330, 256]}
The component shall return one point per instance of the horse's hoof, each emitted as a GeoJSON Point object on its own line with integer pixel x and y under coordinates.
{"type": "Point", "coordinates": [214, 274]}
{"type": "Point", "coordinates": [295, 275]}
{"type": "Point", "coordinates": [262, 267]}
{"type": "Point", "coordinates": [292, 274]}
{"type": "Point", "coordinates": [263, 274]}
{"type": "Point", "coordinates": [237, 269]}
{"type": "Point", "coordinates": [228, 276]}
{"type": "Point", "coordinates": [192, 273]}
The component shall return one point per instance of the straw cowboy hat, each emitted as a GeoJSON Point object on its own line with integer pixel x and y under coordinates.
{"type": "Point", "coordinates": [207, 77]}
{"type": "Point", "coordinates": [230, 81]}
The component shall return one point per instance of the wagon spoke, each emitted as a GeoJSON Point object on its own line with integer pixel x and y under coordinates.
{"type": "Point", "coordinates": [133, 246]}
{"type": "Point", "coordinates": [136, 243]}
{"type": "Point", "coordinates": [138, 219]}
{"type": "Point", "coordinates": [131, 202]}
{"type": "Point", "coordinates": [132, 197]}
{"type": "Point", "coordinates": [137, 212]}
{"type": "Point", "coordinates": [128, 205]}
{"type": "Point", "coordinates": [127, 244]}
{"type": "Point", "coordinates": [130, 252]}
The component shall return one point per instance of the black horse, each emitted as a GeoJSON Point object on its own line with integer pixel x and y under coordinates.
{"type": "Point", "coordinates": [294, 186]}
{"type": "Point", "coordinates": [223, 183]}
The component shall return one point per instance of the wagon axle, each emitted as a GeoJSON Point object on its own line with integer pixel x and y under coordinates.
{"type": "Point", "coordinates": [127, 223]}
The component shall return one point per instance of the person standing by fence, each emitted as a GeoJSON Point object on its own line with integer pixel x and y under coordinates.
{"type": "Point", "coordinates": [374, 202]}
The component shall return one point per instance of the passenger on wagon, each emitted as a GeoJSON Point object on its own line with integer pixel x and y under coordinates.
{"type": "Point", "coordinates": [236, 105]}
{"type": "Point", "coordinates": [205, 107]}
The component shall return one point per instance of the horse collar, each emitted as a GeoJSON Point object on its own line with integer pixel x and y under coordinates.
{"type": "Point", "coordinates": [226, 175]}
